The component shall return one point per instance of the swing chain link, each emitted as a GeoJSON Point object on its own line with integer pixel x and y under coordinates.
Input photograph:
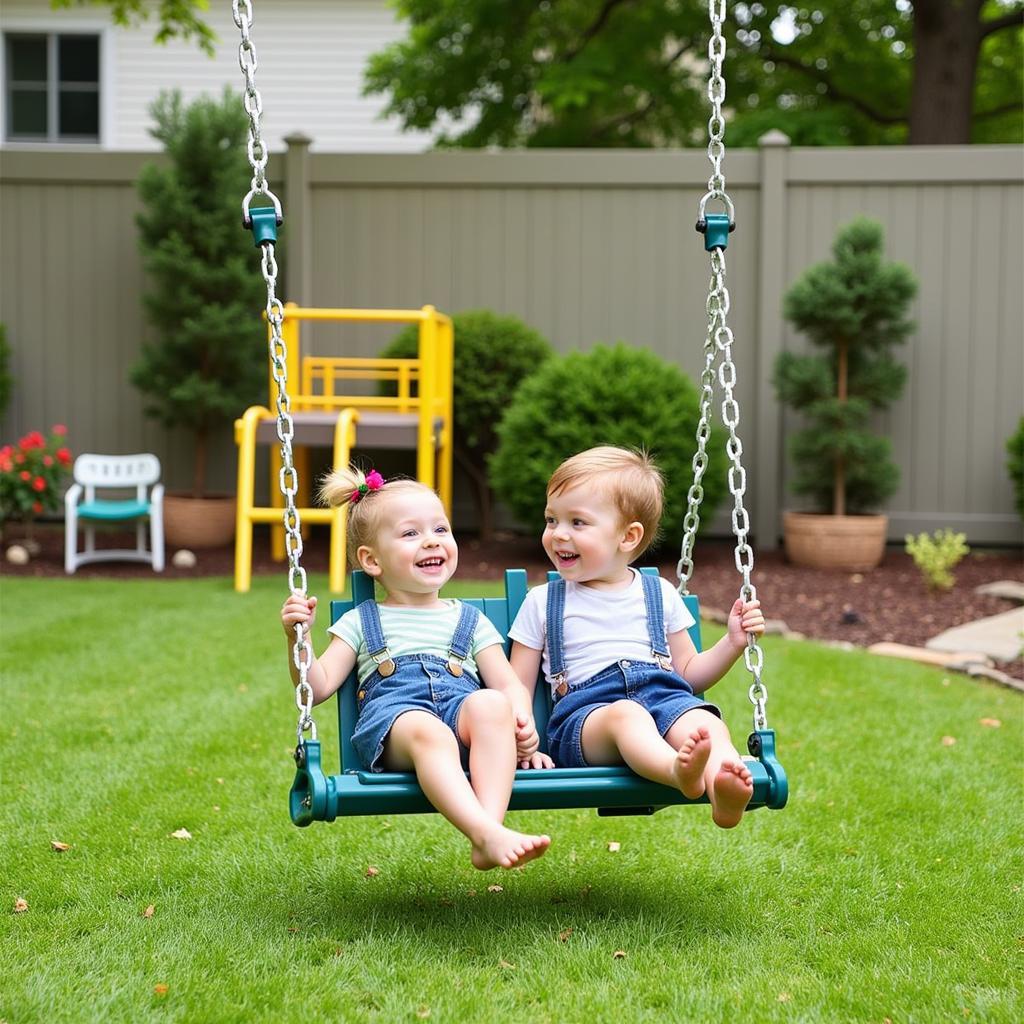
{"type": "Point", "coordinates": [718, 343]}
{"type": "Point", "coordinates": [288, 481]}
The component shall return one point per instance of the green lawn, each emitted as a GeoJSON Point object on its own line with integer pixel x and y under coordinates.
{"type": "Point", "coordinates": [890, 888]}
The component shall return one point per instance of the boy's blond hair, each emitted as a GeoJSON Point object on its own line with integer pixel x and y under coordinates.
{"type": "Point", "coordinates": [364, 516]}
{"type": "Point", "coordinates": [628, 478]}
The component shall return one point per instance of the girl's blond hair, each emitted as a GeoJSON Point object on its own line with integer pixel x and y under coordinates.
{"type": "Point", "coordinates": [340, 486]}
{"type": "Point", "coordinates": [628, 478]}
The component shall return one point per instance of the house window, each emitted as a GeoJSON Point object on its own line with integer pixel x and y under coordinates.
{"type": "Point", "coordinates": [53, 88]}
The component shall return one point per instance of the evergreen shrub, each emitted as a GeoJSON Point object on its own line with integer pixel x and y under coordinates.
{"type": "Point", "coordinates": [611, 395]}
{"type": "Point", "coordinates": [493, 355]}
{"type": "Point", "coordinates": [1015, 465]}
{"type": "Point", "coordinates": [208, 362]}
{"type": "Point", "coordinates": [854, 307]}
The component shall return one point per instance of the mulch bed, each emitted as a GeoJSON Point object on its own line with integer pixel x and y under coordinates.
{"type": "Point", "coordinates": [890, 603]}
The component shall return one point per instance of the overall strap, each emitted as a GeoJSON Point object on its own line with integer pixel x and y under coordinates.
{"type": "Point", "coordinates": [655, 607]}
{"type": "Point", "coordinates": [462, 638]}
{"type": "Point", "coordinates": [555, 637]}
{"type": "Point", "coordinates": [373, 637]}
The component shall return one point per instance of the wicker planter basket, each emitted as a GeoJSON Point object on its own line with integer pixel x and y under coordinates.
{"type": "Point", "coordinates": [198, 522]}
{"type": "Point", "coordinates": [850, 543]}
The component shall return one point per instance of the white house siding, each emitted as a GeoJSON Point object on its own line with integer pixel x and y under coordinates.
{"type": "Point", "coordinates": [312, 54]}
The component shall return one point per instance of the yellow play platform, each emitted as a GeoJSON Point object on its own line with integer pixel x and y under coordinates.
{"type": "Point", "coordinates": [418, 417]}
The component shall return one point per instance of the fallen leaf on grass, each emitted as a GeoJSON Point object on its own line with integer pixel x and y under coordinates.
{"type": "Point", "coordinates": [495, 888]}
{"type": "Point", "coordinates": [614, 847]}
{"type": "Point", "coordinates": [563, 936]}
{"type": "Point", "coordinates": [784, 997]}
{"type": "Point", "coordinates": [160, 990]}
{"type": "Point", "coordinates": [62, 847]}
{"type": "Point", "coordinates": [293, 930]}
{"type": "Point", "coordinates": [220, 781]}
{"type": "Point", "coordinates": [182, 833]}
{"type": "Point", "coordinates": [992, 723]}
{"type": "Point", "coordinates": [20, 905]}
{"type": "Point", "coordinates": [619, 954]}
{"type": "Point", "coordinates": [372, 872]}
{"type": "Point", "coordinates": [149, 911]}
{"type": "Point", "coordinates": [506, 965]}
{"type": "Point", "coordinates": [423, 1012]}
{"type": "Point", "coordinates": [948, 741]}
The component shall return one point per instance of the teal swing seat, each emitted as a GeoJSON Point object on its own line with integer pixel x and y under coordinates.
{"type": "Point", "coordinates": [354, 791]}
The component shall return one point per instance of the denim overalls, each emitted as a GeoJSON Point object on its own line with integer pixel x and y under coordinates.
{"type": "Point", "coordinates": [652, 684]}
{"type": "Point", "coordinates": [413, 682]}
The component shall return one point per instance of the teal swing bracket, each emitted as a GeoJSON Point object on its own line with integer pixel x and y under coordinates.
{"type": "Point", "coordinates": [262, 221]}
{"type": "Point", "coordinates": [716, 228]}
{"type": "Point", "coordinates": [312, 797]}
{"type": "Point", "coordinates": [761, 744]}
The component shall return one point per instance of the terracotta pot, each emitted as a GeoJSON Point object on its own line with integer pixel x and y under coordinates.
{"type": "Point", "coordinates": [198, 522]}
{"type": "Point", "coordinates": [850, 543]}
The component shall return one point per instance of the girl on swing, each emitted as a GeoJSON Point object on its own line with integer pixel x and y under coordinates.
{"type": "Point", "coordinates": [418, 658]}
{"type": "Point", "coordinates": [627, 681]}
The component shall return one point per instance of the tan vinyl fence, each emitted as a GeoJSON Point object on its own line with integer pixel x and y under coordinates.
{"type": "Point", "coordinates": [586, 246]}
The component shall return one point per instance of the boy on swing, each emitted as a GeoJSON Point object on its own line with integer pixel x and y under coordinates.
{"type": "Point", "coordinates": [625, 676]}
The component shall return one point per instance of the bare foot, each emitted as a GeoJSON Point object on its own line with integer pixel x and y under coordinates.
{"type": "Point", "coordinates": [731, 791]}
{"type": "Point", "coordinates": [504, 848]}
{"type": "Point", "coordinates": [691, 761]}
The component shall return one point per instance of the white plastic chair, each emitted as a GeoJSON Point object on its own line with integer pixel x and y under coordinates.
{"type": "Point", "coordinates": [112, 472]}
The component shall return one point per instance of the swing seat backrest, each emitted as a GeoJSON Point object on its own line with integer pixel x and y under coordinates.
{"type": "Point", "coordinates": [502, 612]}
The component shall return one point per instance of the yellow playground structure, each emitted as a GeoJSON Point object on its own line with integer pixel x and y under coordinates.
{"type": "Point", "coordinates": [418, 417]}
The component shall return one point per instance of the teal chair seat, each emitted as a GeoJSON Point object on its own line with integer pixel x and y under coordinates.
{"type": "Point", "coordinates": [113, 510]}
{"type": "Point", "coordinates": [354, 791]}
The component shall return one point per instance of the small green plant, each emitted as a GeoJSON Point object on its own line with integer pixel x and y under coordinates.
{"type": "Point", "coordinates": [5, 374]}
{"type": "Point", "coordinates": [937, 554]}
{"type": "Point", "coordinates": [1015, 464]}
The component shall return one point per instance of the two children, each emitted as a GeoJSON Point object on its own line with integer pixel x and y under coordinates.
{"type": "Point", "coordinates": [613, 644]}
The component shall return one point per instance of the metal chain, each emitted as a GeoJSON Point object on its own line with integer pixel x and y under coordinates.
{"type": "Point", "coordinates": [302, 650]}
{"type": "Point", "coordinates": [718, 343]}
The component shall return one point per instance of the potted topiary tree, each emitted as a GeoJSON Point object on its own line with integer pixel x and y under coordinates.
{"type": "Point", "coordinates": [206, 365]}
{"type": "Point", "coordinates": [854, 307]}
{"type": "Point", "coordinates": [493, 355]}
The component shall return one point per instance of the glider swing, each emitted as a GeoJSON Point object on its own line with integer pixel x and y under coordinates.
{"type": "Point", "coordinates": [316, 796]}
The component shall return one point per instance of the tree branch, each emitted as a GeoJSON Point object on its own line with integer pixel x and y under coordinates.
{"type": "Point", "coordinates": [1006, 108]}
{"type": "Point", "coordinates": [588, 33]}
{"type": "Point", "coordinates": [819, 76]}
{"type": "Point", "coordinates": [1011, 20]}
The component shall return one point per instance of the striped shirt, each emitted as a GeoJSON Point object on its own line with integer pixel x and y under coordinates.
{"type": "Point", "coordinates": [414, 631]}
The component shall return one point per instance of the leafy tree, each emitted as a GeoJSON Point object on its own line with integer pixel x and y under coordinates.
{"type": "Point", "coordinates": [854, 307]}
{"type": "Point", "coordinates": [207, 363]}
{"type": "Point", "coordinates": [175, 18]}
{"type": "Point", "coordinates": [1015, 465]}
{"type": "Point", "coordinates": [493, 355]}
{"type": "Point", "coordinates": [626, 73]}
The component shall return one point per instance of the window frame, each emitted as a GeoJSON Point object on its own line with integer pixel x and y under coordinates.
{"type": "Point", "coordinates": [54, 86]}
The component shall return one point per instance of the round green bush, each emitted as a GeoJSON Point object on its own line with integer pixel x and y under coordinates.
{"type": "Point", "coordinates": [1015, 465]}
{"type": "Point", "coordinates": [611, 395]}
{"type": "Point", "coordinates": [493, 355]}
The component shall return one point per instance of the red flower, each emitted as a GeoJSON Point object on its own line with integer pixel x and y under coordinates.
{"type": "Point", "coordinates": [25, 475]}
{"type": "Point", "coordinates": [47, 460]}
{"type": "Point", "coordinates": [19, 458]}
{"type": "Point", "coordinates": [39, 484]}
{"type": "Point", "coordinates": [7, 451]}
{"type": "Point", "coordinates": [59, 429]}
{"type": "Point", "coordinates": [64, 455]}
{"type": "Point", "coordinates": [37, 507]}
{"type": "Point", "coordinates": [32, 440]}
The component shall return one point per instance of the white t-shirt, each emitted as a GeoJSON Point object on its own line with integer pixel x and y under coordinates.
{"type": "Point", "coordinates": [600, 626]}
{"type": "Point", "coordinates": [414, 631]}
